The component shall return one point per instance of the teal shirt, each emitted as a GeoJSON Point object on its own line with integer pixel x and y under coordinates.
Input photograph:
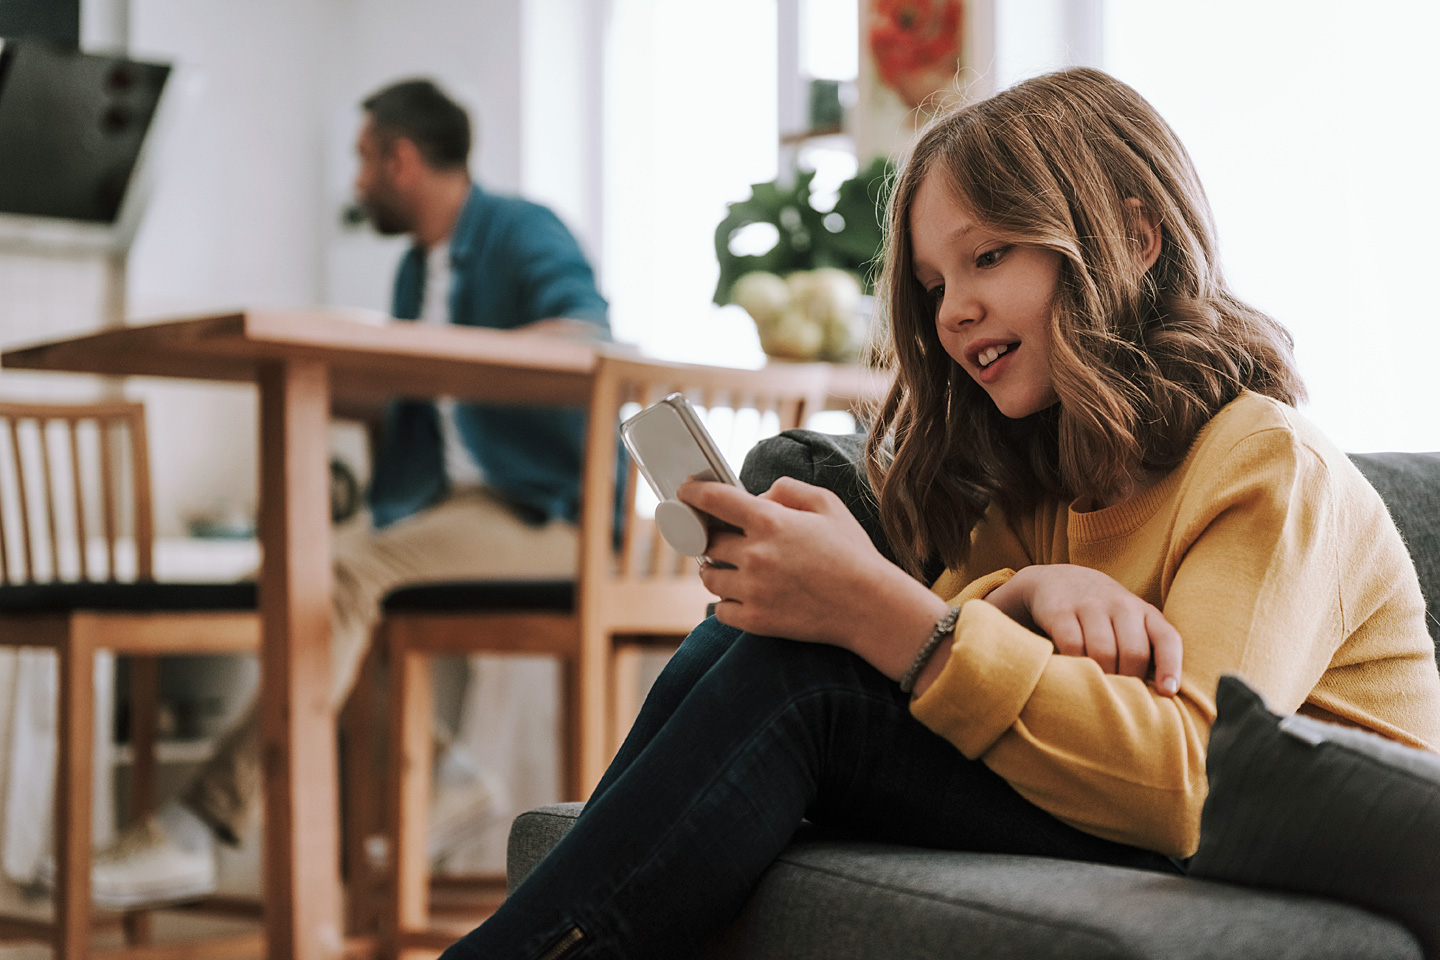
{"type": "Point", "coordinates": [512, 263]}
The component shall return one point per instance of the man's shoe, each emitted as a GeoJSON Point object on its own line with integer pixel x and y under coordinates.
{"type": "Point", "coordinates": [145, 867]}
{"type": "Point", "coordinates": [457, 813]}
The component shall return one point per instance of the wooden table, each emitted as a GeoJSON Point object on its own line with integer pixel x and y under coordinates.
{"type": "Point", "coordinates": [297, 359]}
{"type": "Point", "coordinates": [300, 360]}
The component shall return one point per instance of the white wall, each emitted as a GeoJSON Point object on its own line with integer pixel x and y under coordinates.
{"type": "Point", "coordinates": [471, 49]}
{"type": "Point", "coordinates": [234, 221]}
{"type": "Point", "coordinates": [1312, 126]}
{"type": "Point", "coordinates": [258, 167]}
{"type": "Point", "coordinates": [677, 151]}
{"type": "Point", "coordinates": [1035, 36]}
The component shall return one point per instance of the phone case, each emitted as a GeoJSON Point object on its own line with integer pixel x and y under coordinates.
{"type": "Point", "coordinates": [670, 445]}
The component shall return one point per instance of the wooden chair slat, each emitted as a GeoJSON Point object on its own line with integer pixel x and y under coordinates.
{"type": "Point", "coordinates": [140, 473]}
{"type": "Point", "coordinates": [22, 498]}
{"type": "Point", "coordinates": [108, 496]}
{"type": "Point", "coordinates": [49, 492]}
{"type": "Point", "coordinates": [5, 536]}
{"type": "Point", "coordinates": [72, 427]}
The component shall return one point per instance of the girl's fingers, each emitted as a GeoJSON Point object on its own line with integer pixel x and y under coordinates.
{"type": "Point", "coordinates": [1099, 639]}
{"type": "Point", "coordinates": [1168, 651]}
{"type": "Point", "coordinates": [1132, 642]}
{"type": "Point", "coordinates": [718, 580]}
{"type": "Point", "coordinates": [1068, 638]}
{"type": "Point", "coordinates": [721, 500]}
{"type": "Point", "coordinates": [724, 546]}
{"type": "Point", "coordinates": [727, 612]}
{"type": "Point", "coordinates": [797, 494]}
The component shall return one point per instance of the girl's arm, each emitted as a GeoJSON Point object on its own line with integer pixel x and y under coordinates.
{"type": "Point", "coordinates": [806, 570]}
{"type": "Point", "coordinates": [1250, 579]}
{"type": "Point", "coordinates": [1086, 613]}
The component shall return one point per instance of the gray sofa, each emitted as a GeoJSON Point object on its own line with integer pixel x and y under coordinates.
{"type": "Point", "coordinates": [831, 900]}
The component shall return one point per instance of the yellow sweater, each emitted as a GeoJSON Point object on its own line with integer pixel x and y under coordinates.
{"type": "Point", "coordinates": [1273, 558]}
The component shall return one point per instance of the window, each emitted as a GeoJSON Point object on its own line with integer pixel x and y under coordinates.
{"type": "Point", "coordinates": [690, 124]}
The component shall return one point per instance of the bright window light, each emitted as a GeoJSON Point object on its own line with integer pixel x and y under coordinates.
{"type": "Point", "coordinates": [690, 124]}
{"type": "Point", "coordinates": [1313, 128]}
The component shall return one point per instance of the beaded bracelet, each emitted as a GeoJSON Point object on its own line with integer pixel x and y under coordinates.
{"type": "Point", "coordinates": [942, 630]}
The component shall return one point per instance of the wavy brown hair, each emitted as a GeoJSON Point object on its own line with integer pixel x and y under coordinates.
{"type": "Point", "coordinates": [1140, 361]}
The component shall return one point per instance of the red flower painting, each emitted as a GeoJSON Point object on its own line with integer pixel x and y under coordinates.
{"type": "Point", "coordinates": [916, 45]}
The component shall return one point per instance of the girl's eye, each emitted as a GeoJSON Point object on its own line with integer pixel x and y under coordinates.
{"type": "Point", "coordinates": [934, 296]}
{"type": "Point", "coordinates": [991, 257]}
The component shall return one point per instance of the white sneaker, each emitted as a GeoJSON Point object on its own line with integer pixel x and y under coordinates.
{"type": "Point", "coordinates": [464, 801]}
{"type": "Point", "coordinates": [144, 867]}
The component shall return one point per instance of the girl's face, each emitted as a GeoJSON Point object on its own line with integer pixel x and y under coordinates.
{"type": "Point", "coordinates": [992, 298]}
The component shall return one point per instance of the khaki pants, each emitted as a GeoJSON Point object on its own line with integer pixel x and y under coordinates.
{"type": "Point", "coordinates": [469, 536]}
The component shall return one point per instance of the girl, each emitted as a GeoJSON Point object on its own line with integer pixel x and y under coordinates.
{"type": "Point", "coordinates": [1097, 439]}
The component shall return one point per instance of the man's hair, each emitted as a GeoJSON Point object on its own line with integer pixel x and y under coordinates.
{"type": "Point", "coordinates": [419, 111]}
{"type": "Point", "coordinates": [1140, 361]}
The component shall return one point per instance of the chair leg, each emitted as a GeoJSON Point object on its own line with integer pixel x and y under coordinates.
{"type": "Point", "coordinates": [572, 779]}
{"type": "Point", "coordinates": [364, 801]}
{"type": "Point", "coordinates": [411, 747]}
{"type": "Point", "coordinates": [592, 712]}
{"type": "Point", "coordinates": [144, 771]}
{"type": "Point", "coordinates": [73, 792]}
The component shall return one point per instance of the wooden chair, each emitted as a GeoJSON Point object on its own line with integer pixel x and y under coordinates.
{"type": "Point", "coordinates": [76, 542]}
{"type": "Point", "coordinates": [627, 598]}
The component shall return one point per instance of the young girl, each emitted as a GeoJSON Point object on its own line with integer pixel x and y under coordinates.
{"type": "Point", "coordinates": [1096, 437]}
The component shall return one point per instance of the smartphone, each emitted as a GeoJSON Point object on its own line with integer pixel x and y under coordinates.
{"type": "Point", "coordinates": [670, 445]}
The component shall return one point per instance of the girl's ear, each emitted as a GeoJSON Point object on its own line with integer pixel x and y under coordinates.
{"type": "Point", "coordinates": [1145, 231]}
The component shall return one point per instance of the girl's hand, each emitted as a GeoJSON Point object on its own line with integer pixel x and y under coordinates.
{"type": "Point", "coordinates": [1087, 614]}
{"type": "Point", "coordinates": [804, 569]}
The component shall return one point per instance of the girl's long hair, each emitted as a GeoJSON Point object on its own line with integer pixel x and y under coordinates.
{"type": "Point", "coordinates": [1141, 361]}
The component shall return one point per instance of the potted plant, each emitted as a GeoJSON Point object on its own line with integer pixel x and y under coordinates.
{"type": "Point", "coordinates": [809, 292]}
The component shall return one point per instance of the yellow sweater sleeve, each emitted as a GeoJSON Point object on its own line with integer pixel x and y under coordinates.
{"type": "Point", "coordinates": [1248, 575]}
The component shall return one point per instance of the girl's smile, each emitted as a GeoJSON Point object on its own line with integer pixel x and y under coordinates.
{"type": "Point", "coordinates": [992, 298]}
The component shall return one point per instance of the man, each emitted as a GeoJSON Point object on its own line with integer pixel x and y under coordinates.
{"type": "Point", "coordinates": [459, 490]}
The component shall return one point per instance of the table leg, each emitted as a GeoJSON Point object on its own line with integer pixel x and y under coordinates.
{"type": "Point", "coordinates": [301, 864]}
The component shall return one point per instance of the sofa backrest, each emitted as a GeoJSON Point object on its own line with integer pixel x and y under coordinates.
{"type": "Point", "coordinates": [1409, 483]}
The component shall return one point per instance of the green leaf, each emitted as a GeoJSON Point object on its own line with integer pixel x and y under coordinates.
{"type": "Point", "coordinates": [805, 243]}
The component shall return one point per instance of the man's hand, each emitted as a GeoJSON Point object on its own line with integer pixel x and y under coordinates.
{"type": "Point", "coordinates": [1087, 614]}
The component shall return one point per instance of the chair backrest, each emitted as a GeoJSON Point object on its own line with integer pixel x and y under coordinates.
{"type": "Point", "coordinates": [644, 587]}
{"type": "Point", "coordinates": [74, 493]}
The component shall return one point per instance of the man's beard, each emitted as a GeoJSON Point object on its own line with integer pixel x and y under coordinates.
{"type": "Point", "coordinates": [384, 217]}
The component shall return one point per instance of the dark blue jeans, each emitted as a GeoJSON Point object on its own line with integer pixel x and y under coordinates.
{"type": "Point", "coordinates": [741, 738]}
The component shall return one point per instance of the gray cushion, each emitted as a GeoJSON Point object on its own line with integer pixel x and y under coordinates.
{"type": "Point", "coordinates": [829, 900]}
{"type": "Point", "coordinates": [1300, 805]}
{"type": "Point", "coordinates": [834, 461]}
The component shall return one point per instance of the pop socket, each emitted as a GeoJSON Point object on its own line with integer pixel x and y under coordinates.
{"type": "Point", "coordinates": [683, 527]}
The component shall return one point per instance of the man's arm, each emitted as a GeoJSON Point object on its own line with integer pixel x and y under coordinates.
{"type": "Point", "coordinates": [557, 283]}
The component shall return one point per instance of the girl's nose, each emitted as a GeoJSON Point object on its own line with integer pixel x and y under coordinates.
{"type": "Point", "coordinates": [956, 309]}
